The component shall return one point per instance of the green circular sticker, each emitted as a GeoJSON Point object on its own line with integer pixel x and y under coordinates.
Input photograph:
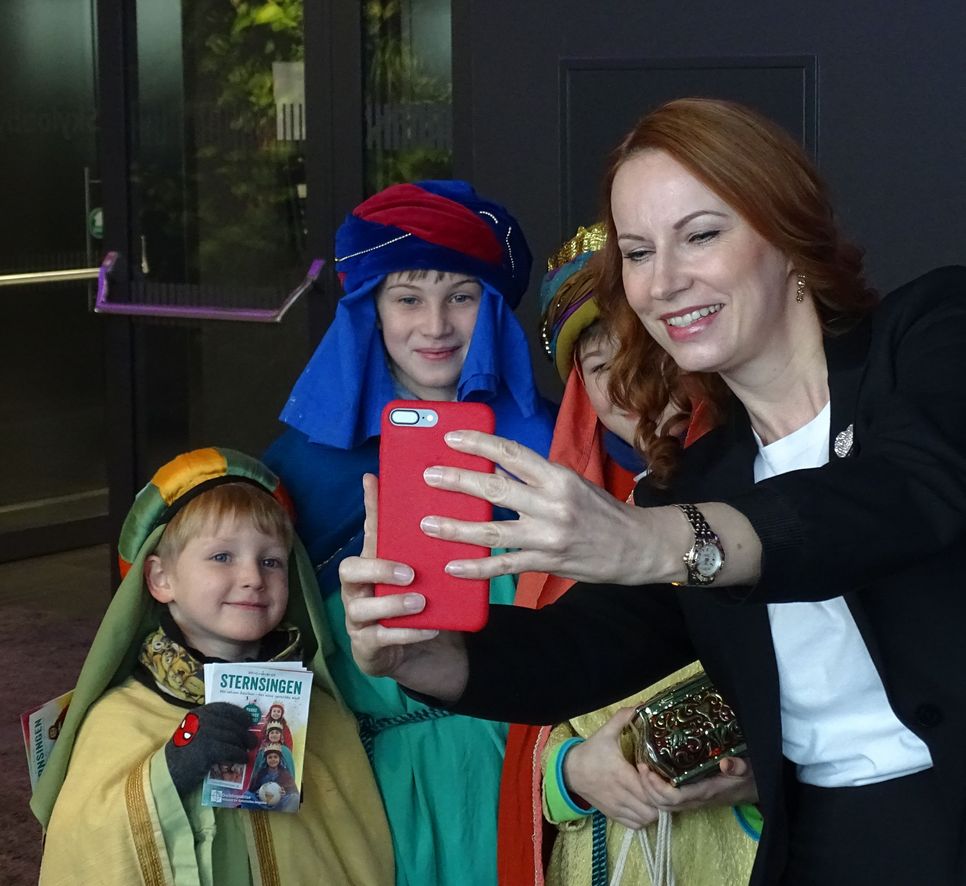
{"type": "Point", "coordinates": [254, 711]}
{"type": "Point", "coordinates": [95, 223]}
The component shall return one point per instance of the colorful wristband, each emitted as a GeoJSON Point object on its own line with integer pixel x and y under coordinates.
{"type": "Point", "coordinates": [750, 818]}
{"type": "Point", "coordinates": [561, 804]}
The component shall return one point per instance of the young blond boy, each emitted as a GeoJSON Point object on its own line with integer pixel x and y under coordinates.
{"type": "Point", "coordinates": [212, 573]}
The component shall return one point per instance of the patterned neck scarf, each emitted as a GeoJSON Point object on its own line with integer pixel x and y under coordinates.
{"type": "Point", "coordinates": [178, 670]}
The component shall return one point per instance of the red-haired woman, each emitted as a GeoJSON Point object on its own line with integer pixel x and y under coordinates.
{"type": "Point", "coordinates": [806, 550]}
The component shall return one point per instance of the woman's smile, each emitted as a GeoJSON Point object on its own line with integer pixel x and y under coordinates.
{"type": "Point", "coordinates": [690, 321]}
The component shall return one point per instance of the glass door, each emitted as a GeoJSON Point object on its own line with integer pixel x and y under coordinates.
{"type": "Point", "coordinates": [216, 239]}
{"type": "Point", "coordinates": [210, 279]}
{"type": "Point", "coordinates": [407, 91]}
{"type": "Point", "coordinates": [53, 486]}
{"type": "Point", "coordinates": [221, 157]}
{"type": "Point", "coordinates": [232, 137]}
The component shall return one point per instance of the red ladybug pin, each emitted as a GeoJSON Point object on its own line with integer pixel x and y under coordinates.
{"type": "Point", "coordinates": [186, 731]}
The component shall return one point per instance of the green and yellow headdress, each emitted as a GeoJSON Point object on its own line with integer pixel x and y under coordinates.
{"type": "Point", "coordinates": [181, 480]}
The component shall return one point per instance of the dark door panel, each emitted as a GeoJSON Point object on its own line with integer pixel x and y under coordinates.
{"type": "Point", "coordinates": [53, 485]}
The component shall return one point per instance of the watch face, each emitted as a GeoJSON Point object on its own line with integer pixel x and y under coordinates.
{"type": "Point", "coordinates": [707, 560]}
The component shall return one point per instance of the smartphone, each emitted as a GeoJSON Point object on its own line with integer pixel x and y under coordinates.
{"type": "Point", "coordinates": [412, 440]}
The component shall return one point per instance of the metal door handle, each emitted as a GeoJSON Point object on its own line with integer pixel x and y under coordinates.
{"type": "Point", "coordinates": [35, 277]}
{"type": "Point", "coordinates": [198, 312]}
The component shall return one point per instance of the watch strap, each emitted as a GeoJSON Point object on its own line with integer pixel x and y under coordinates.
{"type": "Point", "coordinates": [704, 535]}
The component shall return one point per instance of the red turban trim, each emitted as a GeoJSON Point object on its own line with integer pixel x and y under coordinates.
{"type": "Point", "coordinates": [434, 219]}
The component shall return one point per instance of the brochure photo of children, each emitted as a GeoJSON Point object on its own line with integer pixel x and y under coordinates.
{"type": "Point", "coordinates": [276, 699]}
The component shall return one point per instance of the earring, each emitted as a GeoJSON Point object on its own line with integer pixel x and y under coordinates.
{"type": "Point", "coordinates": [800, 290]}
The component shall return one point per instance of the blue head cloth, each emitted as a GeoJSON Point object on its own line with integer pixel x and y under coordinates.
{"type": "Point", "coordinates": [437, 225]}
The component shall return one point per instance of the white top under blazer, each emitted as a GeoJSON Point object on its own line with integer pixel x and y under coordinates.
{"type": "Point", "coordinates": [837, 724]}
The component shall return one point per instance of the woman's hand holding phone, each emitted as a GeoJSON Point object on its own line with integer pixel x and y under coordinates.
{"type": "Point", "coordinates": [412, 440]}
{"type": "Point", "coordinates": [567, 526]}
{"type": "Point", "coordinates": [427, 661]}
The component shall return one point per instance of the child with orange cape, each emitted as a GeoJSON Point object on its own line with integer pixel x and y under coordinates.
{"type": "Point", "coordinates": [591, 437]}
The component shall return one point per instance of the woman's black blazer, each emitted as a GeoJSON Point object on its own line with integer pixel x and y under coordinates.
{"type": "Point", "coordinates": [884, 526]}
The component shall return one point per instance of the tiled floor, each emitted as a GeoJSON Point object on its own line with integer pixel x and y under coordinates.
{"type": "Point", "coordinates": [50, 608]}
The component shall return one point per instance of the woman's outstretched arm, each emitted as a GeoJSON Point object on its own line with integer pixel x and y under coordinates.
{"type": "Point", "coordinates": [570, 527]}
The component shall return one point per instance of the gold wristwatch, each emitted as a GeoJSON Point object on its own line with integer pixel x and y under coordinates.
{"type": "Point", "coordinates": [707, 556]}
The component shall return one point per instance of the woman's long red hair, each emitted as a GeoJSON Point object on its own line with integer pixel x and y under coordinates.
{"type": "Point", "coordinates": [763, 174]}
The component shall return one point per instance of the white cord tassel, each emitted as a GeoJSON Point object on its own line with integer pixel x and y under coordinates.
{"type": "Point", "coordinates": [657, 860]}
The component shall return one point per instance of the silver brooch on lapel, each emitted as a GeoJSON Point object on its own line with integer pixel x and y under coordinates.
{"type": "Point", "coordinates": [843, 442]}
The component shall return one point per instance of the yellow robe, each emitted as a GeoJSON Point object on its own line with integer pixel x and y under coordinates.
{"type": "Point", "coordinates": [119, 821]}
{"type": "Point", "coordinates": [708, 846]}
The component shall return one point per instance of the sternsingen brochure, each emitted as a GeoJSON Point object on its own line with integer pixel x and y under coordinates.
{"type": "Point", "coordinates": [276, 697]}
{"type": "Point", "coordinates": [40, 727]}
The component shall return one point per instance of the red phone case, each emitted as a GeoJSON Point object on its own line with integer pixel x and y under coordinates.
{"type": "Point", "coordinates": [452, 603]}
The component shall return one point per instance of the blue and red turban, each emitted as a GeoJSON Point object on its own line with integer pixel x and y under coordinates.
{"type": "Point", "coordinates": [438, 226]}
{"type": "Point", "coordinates": [430, 225]}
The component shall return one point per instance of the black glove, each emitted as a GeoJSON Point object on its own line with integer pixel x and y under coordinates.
{"type": "Point", "coordinates": [214, 733]}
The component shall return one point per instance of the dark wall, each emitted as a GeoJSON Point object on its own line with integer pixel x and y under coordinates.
{"type": "Point", "coordinates": [884, 81]}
